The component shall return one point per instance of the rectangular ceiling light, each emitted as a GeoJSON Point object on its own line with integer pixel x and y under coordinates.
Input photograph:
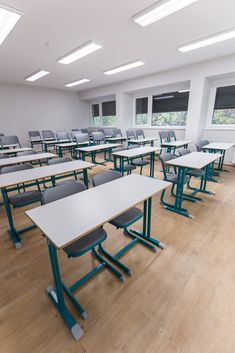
{"type": "Point", "coordinates": [8, 19]}
{"type": "Point", "coordinates": [184, 91]}
{"type": "Point", "coordinates": [79, 53]}
{"type": "Point", "coordinates": [217, 38]}
{"type": "Point", "coordinates": [79, 82]}
{"type": "Point", "coordinates": [161, 9]}
{"type": "Point", "coordinates": [125, 67]}
{"type": "Point", "coordinates": [37, 75]}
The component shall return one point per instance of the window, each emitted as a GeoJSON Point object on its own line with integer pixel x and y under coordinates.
{"type": "Point", "coordinates": [170, 109]}
{"type": "Point", "coordinates": [97, 120]}
{"type": "Point", "coordinates": [109, 117]}
{"type": "Point", "coordinates": [141, 111]}
{"type": "Point", "coordinates": [224, 109]}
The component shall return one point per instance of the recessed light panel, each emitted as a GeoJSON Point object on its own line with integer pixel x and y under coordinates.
{"type": "Point", "coordinates": [37, 75]}
{"type": "Point", "coordinates": [79, 53]}
{"type": "Point", "coordinates": [8, 19]}
{"type": "Point", "coordinates": [79, 82]}
{"type": "Point", "coordinates": [125, 67]}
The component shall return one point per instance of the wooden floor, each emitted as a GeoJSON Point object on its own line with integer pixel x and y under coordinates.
{"type": "Point", "coordinates": [180, 300]}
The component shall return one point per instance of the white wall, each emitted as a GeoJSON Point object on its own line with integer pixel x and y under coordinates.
{"type": "Point", "coordinates": [30, 108]}
{"type": "Point", "coordinates": [199, 76]}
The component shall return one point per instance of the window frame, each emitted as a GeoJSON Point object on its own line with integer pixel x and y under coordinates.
{"type": "Point", "coordinates": [209, 121]}
{"type": "Point", "coordinates": [149, 116]}
{"type": "Point", "coordinates": [101, 113]}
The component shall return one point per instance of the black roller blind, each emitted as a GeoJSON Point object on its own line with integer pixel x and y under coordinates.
{"type": "Point", "coordinates": [171, 102]}
{"type": "Point", "coordinates": [109, 108]}
{"type": "Point", "coordinates": [225, 98]}
{"type": "Point", "coordinates": [95, 110]}
{"type": "Point", "coordinates": [141, 105]}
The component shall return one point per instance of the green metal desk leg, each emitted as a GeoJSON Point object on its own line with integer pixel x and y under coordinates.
{"type": "Point", "coordinates": [60, 152]}
{"type": "Point", "coordinates": [147, 220]}
{"type": "Point", "coordinates": [45, 147]}
{"type": "Point", "coordinates": [12, 231]}
{"type": "Point", "coordinates": [152, 157]}
{"type": "Point", "coordinates": [57, 296]}
{"type": "Point", "coordinates": [85, 177]}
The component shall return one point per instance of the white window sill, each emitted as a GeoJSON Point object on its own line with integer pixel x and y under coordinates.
{"type": "Point", "coordinates": [160, 127]}
{"type": "Point", "coordinates": [220, 128]}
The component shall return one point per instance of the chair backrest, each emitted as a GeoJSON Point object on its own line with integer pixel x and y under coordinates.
{"type": "Point", "coordinates": [103, 178]}
{"type": "Point", "coordinates": [59, 160]}
{"type": "Point", "coordinates": [199, 145]}
{"type": "Point", "coordinates": [171, 135]}
{"type": "Point", "coordinates": [62, 135]}
{"type": "Point", "coordinates": [84, 131]}
{"type": "Point", "coordinates": [33, 135]}
{"type": "Point", "coordinates": [62, 190]}
{"type": "Point", "coordinates": [139, 133]}
{"type": "Point", "coordinates": [82, 138]}
{"type": "Point", "coordinates": [16, 168]}
{"type": "Point", "coordinates": [1, 134]}
{"type": "Point", "coordinates": [183, 151]}
{"type": "Point", "coordinates": [132, 146]}
{"type": "Point", "coordinates": [10, 140]}
{"type": "Point", "coordinates": [98, 136]}
{"type": "Point", "coordinates": [76, 130]}
{"type": "Point", "coordinates": [91, 129]}
{"type": "Point", "coordinates": [117, 132]}
{"type": "Point", "coordinates": [26, 153]}
{"type": "Point", "coordinates": [163, 136]}
{"type": "Point", "coordinates": [109, 132]}
{"type": "Point", "coordinates": [130, 134]}
{"type": "Point", "coordinates": [48, 135]}
{"type": "Point", "coordinates": [2, 155]}
{"type": "Point", "coordinates": [165, 157]}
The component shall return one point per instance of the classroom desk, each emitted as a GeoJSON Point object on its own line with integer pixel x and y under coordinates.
{"type": "Point", "coordinates": [173, 145]}
{"type": "Point", "coordinates": [194, 160]}
{"type": "Point", "coordinates": [116, 139]}
{"type": "Point", "coordinates": [65, 146]}
{"type": "Point", "coordinates": [24, 159]}
{"type": "Point", "coordinates": [89, 210]}
{"type": "Point", "coordinates": [129, 155]}
{"type": "Point", "coordinates": [219, 147]}
{"type": "Point", "coordinates": [91, 151]}
{"type": "Point", "coordinates": [143, 141]}
{"type": "Point", "coordinates": [47, 143]}
{"type": "Point", "coordinates": [13, 181]}
{"type": "Point", "coordinates": [14, 151]}
{"type": "Point", "coordinates": [36, 141]}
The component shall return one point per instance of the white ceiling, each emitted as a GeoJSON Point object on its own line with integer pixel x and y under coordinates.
{"type": "Point", "coordinates": [52, 28]}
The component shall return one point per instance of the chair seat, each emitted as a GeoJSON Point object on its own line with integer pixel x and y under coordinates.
{"type": "Point", "coordinates": [127, 218]}
{"type": "Point", "coordinates": [128, 167]}
{"type": "Point", "coordinates": [172, 178]}
{"type": "Point", "coordinates": [86, 243]}
{"type": "Point", "coordinates": [196, 173]}
{"type": "Point", "coordinates": [25, 198]}
{"type": "Point", "coordinates": [140, 162]}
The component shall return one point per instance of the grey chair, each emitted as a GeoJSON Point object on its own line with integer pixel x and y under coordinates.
{"type": "Point", "coordinates": [163, 135]}
{"type": "Point", "coordinates": [82, 139]}
{"type": "Point", "coordinates": [48, 135]}
{"type": "Point", "coordinates": [89, 242]}
{"type": "Point", "coordinates": [130, 134]}
{"type": "Point", "coordinates": [90, 130]}
{"type": "Point", "coordinates": [26, 197]}
{"type": "Point", "coordinates": [139, 133]}
{"type": "Point", "coordinates": [140, 162]}
{"type": "Point", "coordinates": [34, 135]}
{"type": "Point", "coordinates": [199, 145]}
{"type": "Point", "coordinates": [74, 132]}
{"type": "Point", "coordinates": [84, 131]}
{"type": "Point", "coordinates": [117, 132]}
{"type": "Point", "coordinates": [10, 141]}
{"type": "Point", "coordinates": [171, 135]}
{"type": "Point", "coordinates": [123, 221]}
{"type": "Point", "coordinates": [109, 132]}
{"type": "Point", "coordinates": [1, 134]}
{"type": "Point", "coordinates": [59, 160]}
{"type": "Point", "coordinates": [183, 151]}
{"type": "Point", "coordinates": [98, 137]}
{"type": "Point", "coordinates": [62, 136]}
{"type": "Point", "coordinates": [26, 153]}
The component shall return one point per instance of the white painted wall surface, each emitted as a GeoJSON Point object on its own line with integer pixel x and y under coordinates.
{"type": "Point", "coordinates": [30, 108]}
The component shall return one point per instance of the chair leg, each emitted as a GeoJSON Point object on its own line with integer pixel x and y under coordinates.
{"type": "Point", "coordinates": [115, 260]}
{"type": "Point", "coordinates": [117, 273]}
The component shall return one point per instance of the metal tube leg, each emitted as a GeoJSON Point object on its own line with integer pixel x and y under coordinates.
{"type": "Point", "coordinates": [57, 296]}
{"type": "Point", "coordinates": [12, 231]}
{"type": "Point", "coordinates": [85, 177]}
